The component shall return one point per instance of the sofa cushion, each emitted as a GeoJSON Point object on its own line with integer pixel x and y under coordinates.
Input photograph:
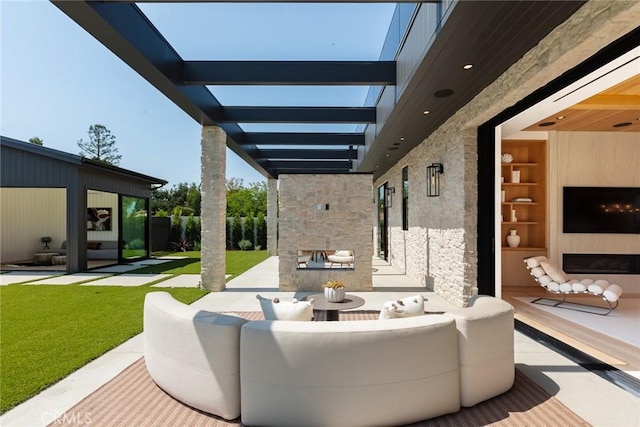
{"type": "Point", "coordinates": [405, 307]}
{"type": "Point", "coordinates": [554, 271]}
{"type": "Point", "coordinates": [485, 345]}
{"type": "Point", "coordinates": [275, 309]}
{"type": "Point", "coordinates": [193, 354]}
{"type": "Point", "coordinates": [94, 245]}
{"type": "Point", "coordinates": [355, 373]}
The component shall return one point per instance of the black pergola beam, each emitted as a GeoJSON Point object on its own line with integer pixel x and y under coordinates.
{"type": "Point", "coordinates": [353, 73]}
{"type": "Point", "coordinates": [310, 165]}
{"type": "Point", "coordinates": [124, 29]}
{"type": "Point", "coordinates": [304, 138]}
{"type": "Point", "coordinates": [271, 1]}
{"type": "Point", "coordinates": [308, 154]}
{"type": "Point", "coordinates": [297, 115]}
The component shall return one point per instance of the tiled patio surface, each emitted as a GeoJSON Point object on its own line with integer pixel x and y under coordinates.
{"type": "Point", "coordinates": [127, 280]}
{"type": "Point", "coordinates": [120, 268]}
{"type": "Point", "coordinates": [69, 279]}
{"type": "Point", "coordinates": [20, 276]}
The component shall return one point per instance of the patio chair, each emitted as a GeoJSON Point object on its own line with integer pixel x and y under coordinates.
{"type": "Point", "coordinates": [341, 257]}
{"type": "Point", "coordinates": [555, 281]}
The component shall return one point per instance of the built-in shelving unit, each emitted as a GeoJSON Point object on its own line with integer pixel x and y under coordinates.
{"type": "Point", "coordinates": [528, 218]}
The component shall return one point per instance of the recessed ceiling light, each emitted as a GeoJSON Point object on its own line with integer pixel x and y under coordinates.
{"type": "Point", "coordinates": [545, 124]}
{"type": "Point", "coordinates": [622, 125]}
{"type": "Point", "coordinates": [443, 93]}
{"type": "Point", "coordinates": [425, 112]}
{"type": "Point", "coordinates": [561, 117]}
{"type": "Point", "coordinates": [402, 138]}
{"type": "Point", "coordinates": [387, 155]}
{"type": "Point", "coordinates": [468, 66]}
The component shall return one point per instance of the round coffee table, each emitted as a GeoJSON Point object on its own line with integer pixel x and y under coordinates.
{"type": "Point", "coordinates": [333, 308]}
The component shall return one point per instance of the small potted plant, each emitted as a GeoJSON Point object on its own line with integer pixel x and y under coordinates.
{"type": "Point", "coordinates": [334, 291]}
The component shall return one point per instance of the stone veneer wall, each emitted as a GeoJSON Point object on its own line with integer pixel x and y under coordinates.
{"type": "Point", "coordinates": [213, 208]}
{"type": "Point", "coordinates": [272, 216]}
{"type": "Point", "coordinates": [440, 246]}
{"type": "Point", "coordinates": [346, 225]}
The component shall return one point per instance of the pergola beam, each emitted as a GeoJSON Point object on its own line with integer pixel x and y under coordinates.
{"type": "Point", "coordinates": [310, 165]}
{"type": "Point", "coordinates": [304, 138]}
{"type": "Point", "coordinates": [297, 115]}
{"type": "Point", "coordinates": [352, 73]}
{"type": "Point", "coordinates": [308, 154]}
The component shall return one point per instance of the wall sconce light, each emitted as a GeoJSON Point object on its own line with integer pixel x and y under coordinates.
{"type": "Point", "coordinates": [390, 192]}
{"type": "Point", "coordinates": [433, 179]}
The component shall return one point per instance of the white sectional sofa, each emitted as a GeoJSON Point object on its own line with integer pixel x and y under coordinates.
{"type": "Point", "coordinates": [194, 355]}
{"type": "Point", "coordinates": [356, 373]}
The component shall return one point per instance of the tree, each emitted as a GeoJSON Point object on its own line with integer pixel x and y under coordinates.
{"type": "Point", "coordinates": [192, 230]}
{"type": "Point", "coordinates": [37, 141]}
{"type": "Point", "coordinates": [236, 230]}
{"type": "Point", "coordinates": [101, 145]}
{"type": "Point", "coordinates": [176, 226]}
{"type": "Point", "coordinates": [246, 200]}
{"type": "Point", "coordinates": [261, 239]}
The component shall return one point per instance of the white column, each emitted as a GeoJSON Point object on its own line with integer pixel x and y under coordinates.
{"type": "Point", "coordinates": [213, 208]}
{"type": "Point", "coordinates": [272, 216]}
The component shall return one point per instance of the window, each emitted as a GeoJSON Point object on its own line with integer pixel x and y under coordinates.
{"type": "Point", "coordinates": [405, 198]}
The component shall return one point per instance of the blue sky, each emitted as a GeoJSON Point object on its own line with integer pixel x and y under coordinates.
{"type": "Point", "coordinates": [57, 80]}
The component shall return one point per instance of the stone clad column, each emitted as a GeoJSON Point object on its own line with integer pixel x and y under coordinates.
{"type": "Point", "coordinates": [272, 216]}
{"type": "Point", "coordinates": [213, 208]}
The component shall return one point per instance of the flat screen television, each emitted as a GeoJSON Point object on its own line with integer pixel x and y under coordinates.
{"type": "Point", "coordinates": [601, 210]}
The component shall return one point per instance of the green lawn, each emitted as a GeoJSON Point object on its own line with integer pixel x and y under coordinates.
{"type": "Point", "coordinates": [49, 331]}
{"type": "Point", "coordinates": [237, 263]}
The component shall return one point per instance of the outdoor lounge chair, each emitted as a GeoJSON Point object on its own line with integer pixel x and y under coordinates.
{"type": "Point", "coordinates": [554, 280]}
{"type": "Point", "coordinates": [341, 257]}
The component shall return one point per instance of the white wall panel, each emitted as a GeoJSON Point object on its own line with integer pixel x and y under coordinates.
{"type": "Point", "coordinates": [592, 159]}
{"type": "Point", "coordinates": [26, 215]}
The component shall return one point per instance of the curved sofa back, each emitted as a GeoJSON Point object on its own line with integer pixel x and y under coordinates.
{"type": "Point", "coordinates": [485, 345]}
{"type": "Point", "coordinates": [384, 372]}
{"type": "Point", "coordinates": [193, 354]}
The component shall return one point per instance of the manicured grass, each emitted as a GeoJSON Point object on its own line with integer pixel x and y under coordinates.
{"type": "Point", "coordinates": [240, 261]}
{"type": "Point", "coordinates": [49, 331]}
{"type": "Point", "coordinates": [237, 263]}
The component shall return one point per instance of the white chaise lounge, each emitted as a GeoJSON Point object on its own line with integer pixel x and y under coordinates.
{"type": "Point", "coordinates": [553, 279]}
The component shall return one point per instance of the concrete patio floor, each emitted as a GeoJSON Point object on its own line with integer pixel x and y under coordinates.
{"type": "Point", "coordinates": [596, 400]}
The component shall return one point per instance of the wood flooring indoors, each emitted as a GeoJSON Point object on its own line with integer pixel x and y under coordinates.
{"type": "Point", "coordinates": [619, 354]}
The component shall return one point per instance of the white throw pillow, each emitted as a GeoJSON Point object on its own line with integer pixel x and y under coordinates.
{"type": "Point", "coordinates": [554, 271]}
{"type": "Point", "coordinates": [274, 309]}
{"type": "Point", "coordinates": [406, 307]}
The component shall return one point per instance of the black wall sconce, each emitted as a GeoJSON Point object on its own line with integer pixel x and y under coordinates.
{"type": "Point", "coordinates": [433, 179]}
{"type": "Point", "coordinates": [390, 192]}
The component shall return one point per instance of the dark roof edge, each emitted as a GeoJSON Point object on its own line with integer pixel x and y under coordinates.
{"type": "Point", "coordinates": [75, 159]}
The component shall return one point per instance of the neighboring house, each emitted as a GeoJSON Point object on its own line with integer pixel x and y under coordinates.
{"type": "Point", "coordinates": [50, 193]}
{"type": "Point", "coordinates": [462, 82]}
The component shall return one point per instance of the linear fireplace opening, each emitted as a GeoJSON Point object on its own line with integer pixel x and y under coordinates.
{"type": "Point", "coordinates": [601, 263]}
